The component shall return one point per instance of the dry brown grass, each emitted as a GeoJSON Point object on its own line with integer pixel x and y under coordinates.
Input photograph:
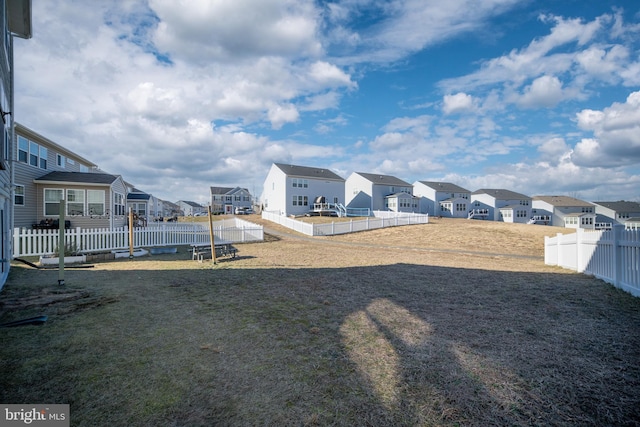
{"type": "Point", "coordinates": [423, 325]}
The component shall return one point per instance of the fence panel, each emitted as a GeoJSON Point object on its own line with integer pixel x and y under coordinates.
{"type": "Point", "coordinates": [28, 242]}
{"type": "Point", "coordinates": [611, 255]}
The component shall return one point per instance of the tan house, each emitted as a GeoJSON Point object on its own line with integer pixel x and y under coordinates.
{"type": "Point", "coordinates": [93, 200]}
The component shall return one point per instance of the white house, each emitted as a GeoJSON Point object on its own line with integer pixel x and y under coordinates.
{"type": "Point", "coordinates": [562, 211]}
{"type": "Point", "coordinates": [442, 199]}
{"type": "Point", "coordinates": [190, 208]}
{"type": "Point", "coordinates": [144, 205]}
{"type": "Point", "coordinates": [379, 192]}
{"type": "Point", "coordinates": [291, 189]}
{"type": "Point", "coordinates": [226, 199]}
{"type": "Point", "coordinates": [620, 212]}
{"type": "Point", "coordinates": [500, 205]}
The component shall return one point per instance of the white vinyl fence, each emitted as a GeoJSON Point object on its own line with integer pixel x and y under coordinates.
{"type": "Point", "coordinates": [611, 255]}
{"type": "Point", "coordinates": [28, 242]}
{"type": "Point", "coordinates": [381, 219]}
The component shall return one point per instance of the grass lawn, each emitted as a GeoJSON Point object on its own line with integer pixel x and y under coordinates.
{"type": "Point", "coordinates": [452, 323]}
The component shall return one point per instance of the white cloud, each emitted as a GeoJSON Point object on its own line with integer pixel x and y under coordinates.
{"type": "Point", "coordinates": [545, 91]}
{"type": "Point", "coordinates": [408, 26]}
{"type": "Point", "coordinates": [206, 31]}
{"type": "Point", "coordinates": [460, 102]}
{"type": "Point", "coordinates": [616, 131]}
{"type": "Point", "coordinates": [279, 115]}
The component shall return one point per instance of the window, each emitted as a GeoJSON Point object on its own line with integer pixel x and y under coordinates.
{"type": "Point", "coordinates": [60, 160]}
{"type": "Point", "coordinates": [23, 149]}
{"type": "Point", "coordinates": [52, 199]}
{"type": "Point", "coordinates": [33, 153]}
{"type": "Point", "coordinates": [300, 201]}
{"type": "Point", "coordinates": [299, 183]}
{"type": "Point", "coordinates": [140, 209]}
{"type": "Point", "coordinates": [18, 198]}
{"type": "Point", "coordinates": [44, 153]}
{"type": "Point", "coordinates": [118, 204]}
{"type": "Point", "coordinates": [84, 168]}
{"type": "Point", "coordinates": [95, 202]}
{"type": "Point", "coordinates": [75, 202]}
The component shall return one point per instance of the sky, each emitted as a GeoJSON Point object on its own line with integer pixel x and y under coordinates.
{"type": "Point", "coordinates": [177, 96]}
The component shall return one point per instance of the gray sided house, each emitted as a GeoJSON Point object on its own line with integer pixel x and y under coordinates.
{"type": "Point", "coordinates": [500, 205]}
{"type": "Point", "coordinates": [379, 192]}
{"type": "Point", "coordinates": [562, 211]}
{"type": "Point", "coordinates": [169, 209]}
{"type": "Point", "coordinates": [225, 200]}
{"type": "Point", "coordinates": [37, 156]}
{"type": "Point", "coordinates": [15, 16]}
{"type": "Point", "coordinates": [621, 212]}
{"type": "Point", "coordinates": [144, 206]}
{"type": "Point", "coordinates": [190, 208]}
{"type": "Point", "coordinates": [292, 190]}
{"type": "Point", "coordinates": [93, 200]}
{"type": "Point", "coordinates": [442, 199]}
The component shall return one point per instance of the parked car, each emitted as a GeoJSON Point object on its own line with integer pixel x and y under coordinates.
{"type": "Point", "coordinates": [243, 210]}
{"type": "Point", "coordinates": [201, 214]}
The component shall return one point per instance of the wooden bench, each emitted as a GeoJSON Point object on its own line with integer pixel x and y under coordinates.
{"type": "Point", "coordinates": [203, 250]}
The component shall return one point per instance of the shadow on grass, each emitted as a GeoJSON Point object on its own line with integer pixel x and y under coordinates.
{"type": "Point", "coordinates": [398, 344]}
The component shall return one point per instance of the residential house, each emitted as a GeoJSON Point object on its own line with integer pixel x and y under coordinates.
{"type": "Point", "coordinates": [562, 211]}
{"type": "Point", "coordinates": [190, 208]}
{"type": "Point", "coordinates": [226, 199]}
{"type": "Point", "coordinates": [292, 190]}
{"type": "Point", "coordinates": [37, 156]}
{"type": "Point", "coordinates": [378, 192]}
{"type": "Point", "coordinates": [442, 199]}
{"type": "Point", "coordinates": [144, 206]}
{"type": "Point", "coordinates": [15, 20]}
{"type": "Point", "coordinates": [621, 212]}
{"type": "Point", "coordinates": [92, 200]}
{"type": "Point", "coordinates": [170, 209]}
{"type": "Point", "coordinates": [500, 205]}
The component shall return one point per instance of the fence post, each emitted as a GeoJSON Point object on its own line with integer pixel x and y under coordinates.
{"type": "Point", "coordinates": [617, 259]}
{"type": "Point", "coordinates": [558, 249]}
{"type": "Point", "coordinates": [580, 264]}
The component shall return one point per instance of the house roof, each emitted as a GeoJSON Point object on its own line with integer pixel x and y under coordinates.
{"type": "Point", "coordinates": [227, 190]}
{"type": "Point", "coordinates": [501, 194]}
{"type": "Point", "coordinates": [138, 196]}
{"type": "Point", "coordinates": [621, 206]}
{"type": "Point", "coordinates": [192, 204]}
{"type": "Point", "coordinates": [398, 195]}
{"type": "Point", "coordinates": [578, 214]}
{"type": "Point", "coordinates": [379, 179]}
{"type": "Point", "coordinates": [220, 190]}
{"type": "Point", "coordinates": [446, 187]}
{"type": "Point", "coordinates": [86, 178]}
{"type": "Point", "coordinates": [563, 201]}
{"type": "Point", "coordinates": [511, 207]}
{"type": "Point", "coordinates": [308, 172]}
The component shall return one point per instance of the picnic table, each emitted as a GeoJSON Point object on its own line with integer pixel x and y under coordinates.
{"type": "Point", "coordinates": [200, 251]}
